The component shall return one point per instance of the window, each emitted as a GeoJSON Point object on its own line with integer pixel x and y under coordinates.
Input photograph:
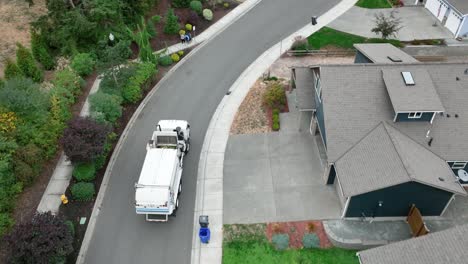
{"type": "Point", "coordinates": [459, 165]}
{"type": "Point", "coordinates": [415, 115]}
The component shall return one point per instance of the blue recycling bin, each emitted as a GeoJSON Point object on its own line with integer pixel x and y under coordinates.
{"type": "Point", "coordinates": [204, 235]}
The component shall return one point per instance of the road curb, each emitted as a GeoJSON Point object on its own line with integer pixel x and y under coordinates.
{"type": "Point", "coordinates": [219, 127]}
{"type": "Point", "coordinates": [245, 7]}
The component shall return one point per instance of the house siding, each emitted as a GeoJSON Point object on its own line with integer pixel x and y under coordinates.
{"type": "Point", "coordinates": [361, 58]}
{"type": "Point", "coordinates": [455, 171]}
{"type": "Point", "coordinates": [397, 201]}
{"type": "Point", "coordinates": [403, 117]}
{"type": "Point", "coordinates": [320, 119]}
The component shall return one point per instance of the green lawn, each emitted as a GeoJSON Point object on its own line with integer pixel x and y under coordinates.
{"type": "Point", "coordinates": [328, 36]}
{"type": "Point", "coordinates": [260, 251]}
{"type": "Point", "coordinates": [373, 4]}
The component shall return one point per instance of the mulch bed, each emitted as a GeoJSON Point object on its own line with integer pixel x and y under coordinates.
{"type": "Point", "coordinates": [296, 231]}
{"type": "Point", "coordinates": [163, 40]}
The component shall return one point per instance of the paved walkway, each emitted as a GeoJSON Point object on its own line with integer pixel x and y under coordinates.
{"type": "Point", "coordinates": [277, 176]}
{"type": "Point", "coordinates": [210, 170]}
{"type": "Point", "coordinates": [62, 174]}
{"type": "Point", "coordinates": [355, 234]}
{"type": "Point", "coordinates": [417, 23]}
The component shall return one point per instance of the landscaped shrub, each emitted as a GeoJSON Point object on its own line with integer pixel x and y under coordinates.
{"type": "Point", "coordinates": [275, 120]}
{"type": "Point", "coordinates": [275, 97]}
{"type": "Point", "coordinates": [300, 44]}
{"type": "Point", "coordinates": [132, 91]}
{"type": "Point", "coordinates": [172, 24]}
{"type": "Point", "coordinates": [165, 60]}
{"type": "Point", "coordinates": [180, 3]}
{"type": "Point", "coordinates": [180, 53]}
{"type": "Point", "coordinates": [71, 227]}
{"type": "Point", "coordinates": [151, 29]}
{"type": "Point", "coordinates": [196, 6]}
{"type": "Point", "coordinates": [175, 57]}
{"type": "Point", "coordinates": [108, 104]}
{"type": "Point", "coordinates": [27, 65]}
{"type": "Point", "coordinates": [8, 122]}
{"type": "Point", "coordinates": [311, 240]}
{"type": "Point", "coordinates": [68, 80]}
{"type": "Point", "coordinates": [193, 18]}
{"type": "Point", "coordinates": [26, 162]}
{"type": "Point", "coordinates": [5, 223]}
{"type": "Point", "coordinates": [41, 52]}
{"type": "Point", "coordinates": [84, 172]}
{"type": "Point", "coordinates": [46, 239]}
{"type": "Point", "coordinates": [113, 82]}
{"type": "Point", "coordinates": [280, 241]}
{"type": "Point", "coordinates": [156, 18]}
{"type": "Point", "coordinates": [181, 32]}
{"type": "Point", "coordinates": [188, 27]}
{"type": "Point", "coordinates": [83, 191]}
{"type": "Point", "coordinates": [83, 140]}
{"type": "Point", "coordinates": [208, 14]}
{"type": "Point", "coordinates": [101, 159]}
{"type": "Point", "coordinates": [83, 63]}
{"type": "Point", "coordinates": [26, 99]}
{"type": "Point", "coordinates": [226, 5]}
{"type": "Point", "coordinates": [12, 70]}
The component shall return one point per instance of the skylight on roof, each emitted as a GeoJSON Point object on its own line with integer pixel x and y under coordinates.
{"type": "Point", "coordinates": [408, 78]}
{"type": "Point", "coordinates": [394, 58]}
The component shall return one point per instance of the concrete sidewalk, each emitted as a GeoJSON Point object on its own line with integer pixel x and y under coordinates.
{"type": "Point", "coordinates": [362, 234]}
{"type": "Point", "coordinates": [62, 174]}
{"type": "Point", "coordinates": [417, 23]}
{"type": "Point", "coordinates": [209, 198]}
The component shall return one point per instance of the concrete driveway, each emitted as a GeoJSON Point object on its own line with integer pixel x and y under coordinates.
{"type": "Point", "coordinates": [275, 177]}
{"type": "Point", "coordinates": [417, 23]}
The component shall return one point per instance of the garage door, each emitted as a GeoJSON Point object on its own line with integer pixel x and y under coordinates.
{"type": "Point", "coordinates": [437, 7]}
{"type": "Point", "coordinates": [453, 21]}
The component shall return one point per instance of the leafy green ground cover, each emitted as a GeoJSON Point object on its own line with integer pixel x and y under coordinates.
{"type": "Point", "coordinates": [373, 4]}
{"type": "Point", "coordinates": [328, 36]}
{"type": "Point", "coordinates": [260, 251]}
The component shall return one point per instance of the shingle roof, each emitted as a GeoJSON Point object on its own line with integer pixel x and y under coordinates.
{"type": "Point", "coordinates": [443, 247]}
{"type": "Point", "coordinates": [305, 88]}
{"type": "Point", "coordinates": [380, 53]}
{"type": "Point", "coordinates": [460, 5]}
{"type": "Point", "coordinates": [421, 96]}
{"type": "Point", "coordinates": [385, 157]}
{"type": "Point", "coordinates": [355, 100]}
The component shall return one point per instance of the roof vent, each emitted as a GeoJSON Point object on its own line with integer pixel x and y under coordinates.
{"type": "Point", "coordinates": [456, 78]}
{"type": "Point", "coordinates": [466, 71]}
{"type": "Point", "coordinates": [408, 78]}
{"type": "Point", "coordinates": [441, 179]}
{"type": "Point", "coordinates": [394, 58]}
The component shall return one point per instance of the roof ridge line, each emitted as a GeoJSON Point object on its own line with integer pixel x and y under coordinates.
{"type": "Point", "coordinates": [397, 150]}
{"type": "Point", "coordinates": [359, 141]}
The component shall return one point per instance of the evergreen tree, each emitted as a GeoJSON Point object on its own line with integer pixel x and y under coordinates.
{"type": "Point", "coordinates": [172, 24]}
{"type": "Point", "coordinates": [27, 64]}
{"type": "Point", "coordinates": [12, 70]}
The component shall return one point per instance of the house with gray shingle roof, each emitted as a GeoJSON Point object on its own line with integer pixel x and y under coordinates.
{"type": "Point", "coordinates": [453, 14]}
{"type": "Point", "coordinates": [443, 247]}
{"type": "Point", "coordinates": [392, 142]}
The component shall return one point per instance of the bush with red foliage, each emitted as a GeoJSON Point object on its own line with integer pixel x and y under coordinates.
{"type": "Point", "coordinates": [83, 140]}
{"type": "Point", "coordinates": [193, 18]}
{"type": "Point", "coordinates": [46, 239]}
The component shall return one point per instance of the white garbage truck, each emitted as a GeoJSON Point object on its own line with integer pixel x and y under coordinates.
{"type": "Point", "coordinates": [158, 188]}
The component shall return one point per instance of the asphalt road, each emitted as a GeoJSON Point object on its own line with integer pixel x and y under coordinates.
{"type": "Point", "coordinates": [191, 93]}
